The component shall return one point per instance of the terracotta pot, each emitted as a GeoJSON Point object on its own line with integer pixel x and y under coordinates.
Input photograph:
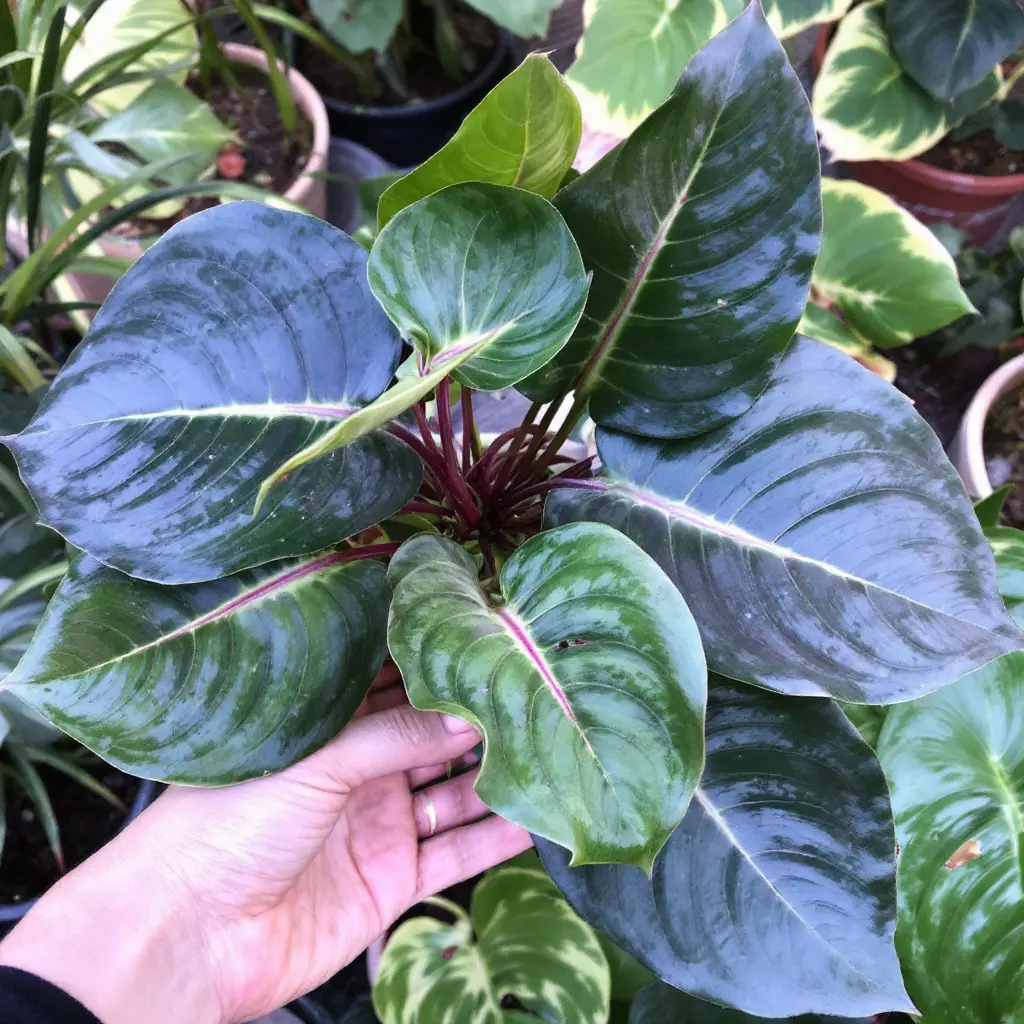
{"type": "Point", "coordinates": [975, 203]}
{"type": "Point", "coordinates": [967, 451]}
{"type": "Point", "coordinates": [306, 191]}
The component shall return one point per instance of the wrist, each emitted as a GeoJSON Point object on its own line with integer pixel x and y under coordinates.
{"type": "Point", "coordinates": [126, 957]}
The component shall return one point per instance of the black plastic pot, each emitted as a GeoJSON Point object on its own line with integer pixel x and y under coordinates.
{"type": "Point", "coordinates": [11, 913]}
{"type": "Point", "coordinates": [407, 135]}
{"type": "Point", "coordinates": [349, 164]}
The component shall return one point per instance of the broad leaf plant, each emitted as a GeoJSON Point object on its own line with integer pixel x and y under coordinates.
{"type": "Point", "coordinates": [651, 639]}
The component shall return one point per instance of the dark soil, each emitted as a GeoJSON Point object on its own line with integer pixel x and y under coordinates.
{"type": "Point", "coordinates": [86, 821]}
{"type": "Point", "coordinates": [981, 154]}
{"type": "Point", "coordinates": [1004, 453]}
{"type": "Point", "coordinates": [942, 388]}
{"type": "Point", "coordinates": [268, 156]}
{"type": "Point", "coordinates": [426, 79]}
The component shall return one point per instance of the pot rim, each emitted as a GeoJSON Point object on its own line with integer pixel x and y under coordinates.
{"type": "Point", "coordinates": [416, 107]}
{"type": "Point", "coordinates": [925, 173]}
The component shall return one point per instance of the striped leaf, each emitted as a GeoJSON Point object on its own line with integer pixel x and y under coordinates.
{"type": "Point", "coordinates": [889, 276]}
{"type": "Point", "coordinates": [587, 683]}
{"type": "Point", "coordinates": [701, 231]}
{"type": "Point", "coordinates": [240, 337]}
{"type": "Point", "coordinates": [525, 132]}
{"type": "Point", "coordinates": [776, 895]}
{"type": "Point", "coordinates": [955, 765]}
{"type": "Point", "coordinates": [211, 683]}
{"type": "Point", "coordinates": [948, 46]}
{"type": "Point", "coordinates": [867, 107]}
{"type": "Point", "coordinates": [788, 17]}
{"type": "Point", "coordinates": [520, 939]}
{"type": "Point", "coordinates": [823, 540]}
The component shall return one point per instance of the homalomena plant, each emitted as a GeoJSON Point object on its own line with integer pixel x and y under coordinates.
{"type": "Point", "coordinates": [764, 506]}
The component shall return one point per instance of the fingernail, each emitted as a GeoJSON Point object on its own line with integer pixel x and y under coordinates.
{"type": "Point", "coordinates": [456, 725]}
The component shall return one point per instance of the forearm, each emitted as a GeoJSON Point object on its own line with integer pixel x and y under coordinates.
{"type": "Point", "coordinates": [113, 935]}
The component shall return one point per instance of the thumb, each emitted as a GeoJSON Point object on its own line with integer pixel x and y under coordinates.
{"type": "Point", "coordinates": [395, 740]}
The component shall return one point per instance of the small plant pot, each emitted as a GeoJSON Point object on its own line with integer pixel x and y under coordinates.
{"type": "Point", "coordinates": [967, 451]}
{"type": "Point", "coordinates": [11, 913]}
{"type": "Point", "coordinates": [980, 205]}
{"type": "Point", "coordinates": [407, 135]}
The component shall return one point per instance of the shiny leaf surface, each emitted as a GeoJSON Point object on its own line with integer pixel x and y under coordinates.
{"type": "Point", "coordinates": [776, 895]}
{"type": "Point", "coordinates": [891, 278]}
{"type": "Point", "coordinates": [211, 683]}
{"type": "Point", "coordinates": [483, 279]}
{"type": "Point", "coordinates": [1008, 548]}
{"type": "Point", "coordinates": [587, 683]}
{"type": "Point", "coordinates": [866, 106]}
{"type": "Point", "coordinates": [701, 231]}
{"type": "Point", "coordinates": [955, 765]}
{"type": "Point", "coordinates": [521, 939]}
{"type": "Point", "coordinates": [823, 540]}
{"type": "Point", "coordinates": [950, 45]}
{"type": "Point", "coordinates": [359, 25]}
{"type": "Point", "coordinates": [525, 132]}
{"type": "Point", "coordinates": [243, 335]}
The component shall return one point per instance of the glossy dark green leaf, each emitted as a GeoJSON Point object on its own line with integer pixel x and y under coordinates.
{"type": "Point", "coordinates": [241, 336]}
{"type": "Point", "coordinates": [587, 683]}
{"type": "Point", "coordinates": [955, 765]}
{"type": "Point", "coordinates": [776, 895]}
{"type": "Point", "coordinates": [211, 683]}
{"type": "Point", "coordinates": [950, 45]}
{"type": "Point", "coordinates": [823, 540]}
{"type": "Point", "coordinates": [989, 510]}
{"type": "Point", "coordinates": [701, 231]}
{"type": "Point", "coordinates": [662, 1004]}
{"type": "Point", "coordinates": [1008, 548]}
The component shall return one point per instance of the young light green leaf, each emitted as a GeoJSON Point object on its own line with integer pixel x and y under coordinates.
{"type": "Point", "coordinates": [243, 335]}
{"type": "Point", "coordinates": [525, 132]}
{"type": "Point", "coordinates": [948, 46]}
{"type": "Point", "coordinates": [483, 279]}
{"type": "Point", "coordinates": [528, 943]}
{"type": "Point", "coordinates": [701, 270]}
{"type": "Point", "coordinates": [955, 765]}
{"type": "Point", "coordinates": [587, 683]}
{"type": "Point", "coordinates": [891, 278]}
{"type": "Point", "coordinates": [866, 106]}
{"type": "Point", "coordinates": [990, 510]}
{"type": "Point", "coordinates": [212, 683]}
{"type": "Point", "coordinates": [823, 540]}
{"type": "Point", "coordinates": [359, 25]}
{"type": "Point", "coordinates": [776, 894]}
{"type": "Point", "coordinates": [825, 325]}
{"type": "Point", "coordinates": [35, 789]}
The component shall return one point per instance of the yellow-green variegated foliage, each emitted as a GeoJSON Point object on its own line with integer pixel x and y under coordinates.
{"type": "Point", "coordinates": [865, 104]}
{"type": "Point", "coordinates": [882, 278]}
{"type": "Point", "coordinates": [520, 939]}
{"type": "Point", "coordinates": [633, 51]}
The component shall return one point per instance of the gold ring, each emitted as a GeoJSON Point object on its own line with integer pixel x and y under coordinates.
{"type": "Point", "coordinates": [431, 812]}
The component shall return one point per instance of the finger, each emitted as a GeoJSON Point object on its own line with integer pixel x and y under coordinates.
{"type": "Point", "coordinates": [391, 741]}
{"type": "Point", "coordinates": [421, 776]}
{"type": "Point", "coordinates": [447, 806]}
{"type": "Point", "coordinates": [387, 676]}
{"type": "Point", "coordinates": [381, 700]}
{"type": "Point", "coordinates": [464, 852]}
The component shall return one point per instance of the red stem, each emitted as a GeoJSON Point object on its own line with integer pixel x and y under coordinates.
{"type": "Point", "coordinates": [545, 486]}
{"type": "Point", "coordinates": [501, 478]}
{"type": "Point", "coordinates": [368, 551]}
{"type": "Point", "coordinates": [462, 496]}
{"type": "Point", "coordinates": [524, 468]}
{"type": "Point", "coordinates": [427, 508]}
{"type": "Point", "coordinates": [431, 458]}
{"type": "Point", "coordinates": [470, 442]}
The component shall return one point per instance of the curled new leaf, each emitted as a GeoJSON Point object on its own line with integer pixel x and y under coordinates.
{"type": "Point", "coordinates": [211, 683]}
{"type": "Point", "coordinates": [587, 682]}
{"type": "Point", "coordinates": [823, 541]}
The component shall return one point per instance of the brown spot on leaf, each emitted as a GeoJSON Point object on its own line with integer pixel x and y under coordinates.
{"type": "Point", "coordinates": [971, 850]}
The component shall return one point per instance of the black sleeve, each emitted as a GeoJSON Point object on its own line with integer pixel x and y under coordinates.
{"type": "Point", "coordinates": [26, 999]}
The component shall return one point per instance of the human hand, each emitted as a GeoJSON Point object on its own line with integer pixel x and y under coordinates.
{"type": "Point", "coordinates": [219, 905]}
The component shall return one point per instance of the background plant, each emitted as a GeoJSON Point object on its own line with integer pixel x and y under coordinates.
{"type": "Point", "coordinates": [636, 640]}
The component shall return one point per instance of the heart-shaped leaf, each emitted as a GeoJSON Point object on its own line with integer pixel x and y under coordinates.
{"type": "Point", "coordinates": [528, 943]}
{"type": "Point", "coordinates": [1008, 548]}
{"type": "Point", "coordinates": [866, 106]}
{"type": "Point", "coordinates": [891, 278]}
{"type": "Point", "coordinates": [823, 541]}
{"type": "Point", "coordinates": [525, 132]}
{"type": "Point", "coordinates": [660, 1003]}
{"type": "Point", "coordinates": [523, 18]}
{"type": "Point", "coordinates": [587, 682]}
{"type": "Point", "coordinates": [359, 25]}
{"type": "Point", "coordinates": [211, 683]}
{"type": "Point", "coordinates": [776, 895]}
{"type": "Point", "coordinates": [701, 231]}
{"type": "Point", "coordinates": [240, 337]}
{"type": "Point", "coordinates": [955, 765]}
{"type": "Point", "coordinates": [950, 45]}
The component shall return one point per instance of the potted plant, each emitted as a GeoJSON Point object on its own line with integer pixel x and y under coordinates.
{"type": "Point", "coordinates": [923, 107]}
{"type": "Point", "coordinates": [410, 70]}
{"type": "Point", "coordinates": [638, 642]}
